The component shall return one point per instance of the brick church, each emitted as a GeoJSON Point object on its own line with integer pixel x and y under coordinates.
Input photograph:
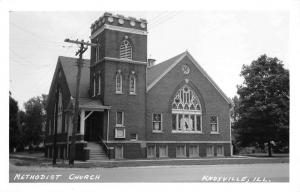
{"type": "Point", "coordinates": [132, 108]}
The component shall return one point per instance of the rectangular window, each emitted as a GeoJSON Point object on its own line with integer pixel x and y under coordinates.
{"type": "Point", "coordinates": [133, 136]}
{"type": "Point", "coordinates": [119, 119]}
{"type": "Point", "coordinates": [151, 151]}
{"type": "Point", "coordinates": [180, 151]}
{"type": "Point", "coordinates": [157, 122]}
{"type": "Point", "coordinates": [186, 123]}
{"type": "Point", "coordinates": [220, 151]}
{"type": "Point", "coordinates": [214, 124]}
{"type": "Point", "coordinates": [210, 151]}
{"type": "Point", "coordinates": [163, 151]}
{"type": "Point", "coordinates": [119, 152]}
{"type": "Point", "coordinates": [194, 151]}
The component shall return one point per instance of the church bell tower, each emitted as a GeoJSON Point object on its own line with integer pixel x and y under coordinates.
{"type": "Point", "coordinates": [118, 72]}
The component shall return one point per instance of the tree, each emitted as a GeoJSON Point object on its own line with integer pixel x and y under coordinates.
{"type": "Point", "coordinates": [14, 131]}
{"type": "Point", "coordinates": [35, 117]}
{"type": "Point", "coordinates": [262, 109]}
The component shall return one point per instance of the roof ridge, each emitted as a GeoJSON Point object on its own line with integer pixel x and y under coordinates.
{"type": "Point", "coordinates": [178, 55]}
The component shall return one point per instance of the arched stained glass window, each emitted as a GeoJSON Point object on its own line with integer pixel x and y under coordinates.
{"type": "Point", "coordinates": [186, 111]}
{"type": "Point", "coordinates": [126, 50]}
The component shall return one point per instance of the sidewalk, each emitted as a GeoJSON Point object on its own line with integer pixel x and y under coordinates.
{"type": "Point", "coordinates": [42, 161]}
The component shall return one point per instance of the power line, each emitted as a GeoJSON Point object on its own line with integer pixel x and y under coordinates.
{"type": "Point", "coordinates": [33, 34]}
{"type": "Point", "coordinates": [170, 16]}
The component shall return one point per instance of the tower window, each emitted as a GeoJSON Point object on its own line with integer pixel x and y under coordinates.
{"type": "Point", "coordinates": [126, 50]}
{"type": "Point", "coordinates": [97, 57]}
{"type": "Point", "coordinates": [132, 84]}
{"type": "Point", "coordinates": [119, 83]}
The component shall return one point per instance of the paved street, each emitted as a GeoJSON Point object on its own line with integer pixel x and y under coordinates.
{"type": "Point", "coordinates": [278, 172]}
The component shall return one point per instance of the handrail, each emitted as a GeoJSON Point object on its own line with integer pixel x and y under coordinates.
{"type": "Point", "coordinates": [106, 149]}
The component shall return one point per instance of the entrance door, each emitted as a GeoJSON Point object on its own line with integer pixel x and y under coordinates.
{"type": "Point", "coordinates": [93, 126]}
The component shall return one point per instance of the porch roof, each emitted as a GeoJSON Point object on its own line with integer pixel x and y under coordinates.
{"type": "Point", "coordinates": [92, 104]}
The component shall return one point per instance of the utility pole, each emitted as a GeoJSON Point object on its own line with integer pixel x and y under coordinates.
{"type": "Point", "coordinates": [83, 47]}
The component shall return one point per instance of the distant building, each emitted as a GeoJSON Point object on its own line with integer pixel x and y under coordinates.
{"type": "Point", "coordinates": [134, 108]}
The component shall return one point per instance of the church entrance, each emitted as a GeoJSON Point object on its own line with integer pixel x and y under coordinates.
{"type": "Point", "coordinates": [94, 126]}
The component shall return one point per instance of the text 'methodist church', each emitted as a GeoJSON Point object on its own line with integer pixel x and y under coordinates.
{"type": "Point", "coordinates": [131, 108]}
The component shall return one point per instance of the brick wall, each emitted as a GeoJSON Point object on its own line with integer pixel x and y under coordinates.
{"type": "Point", "coordinates": [159, 100]}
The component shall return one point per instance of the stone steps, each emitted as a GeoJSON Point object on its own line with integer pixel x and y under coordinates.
{"type": "Point", "coordinates": [96, 151]}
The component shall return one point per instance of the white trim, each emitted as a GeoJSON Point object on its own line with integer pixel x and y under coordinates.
{"type": "Point", "coordinates": [82, 122]}
{"type": "Point", "coordinates": [117, 28]}
{"type": "Point", "coordinates": [120, 129]}
{"type": "Point", "coordinates": [119, 60]}
{"type": "Point", "coordinates": [191, 112]}
{"type": "Point", "coordinates": [88, 115]}
{"type": "Point", "coordinates": [188, 132]}
{"type": "Point", "coordinates": [199, 68]}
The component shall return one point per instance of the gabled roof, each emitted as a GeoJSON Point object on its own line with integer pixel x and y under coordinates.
{"type": "Point", "coordinates": [69, 66]}
{"type": "Point", "coordinates": [157, 72]}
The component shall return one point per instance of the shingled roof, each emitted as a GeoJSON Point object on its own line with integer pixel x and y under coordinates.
{"type": "Point", "coordinates": [154, 74]}
{"type": "Point", "coordinates": [155, 71]}
{"type": "Point", "coordinates": [69, 66]}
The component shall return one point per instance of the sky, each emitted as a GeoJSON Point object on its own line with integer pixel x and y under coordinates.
{"type": "Point", "coordinates": [220, 40]}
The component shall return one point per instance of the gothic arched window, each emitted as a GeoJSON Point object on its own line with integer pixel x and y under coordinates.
{"type": "Point", "coordinates": [132, 84]}
{"type": "Point", "coordinates": [186, 111]}
{"type": "Point", "coordinates": [119, 83]}
{"type": "Point", "coordinates": [126, 50]}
